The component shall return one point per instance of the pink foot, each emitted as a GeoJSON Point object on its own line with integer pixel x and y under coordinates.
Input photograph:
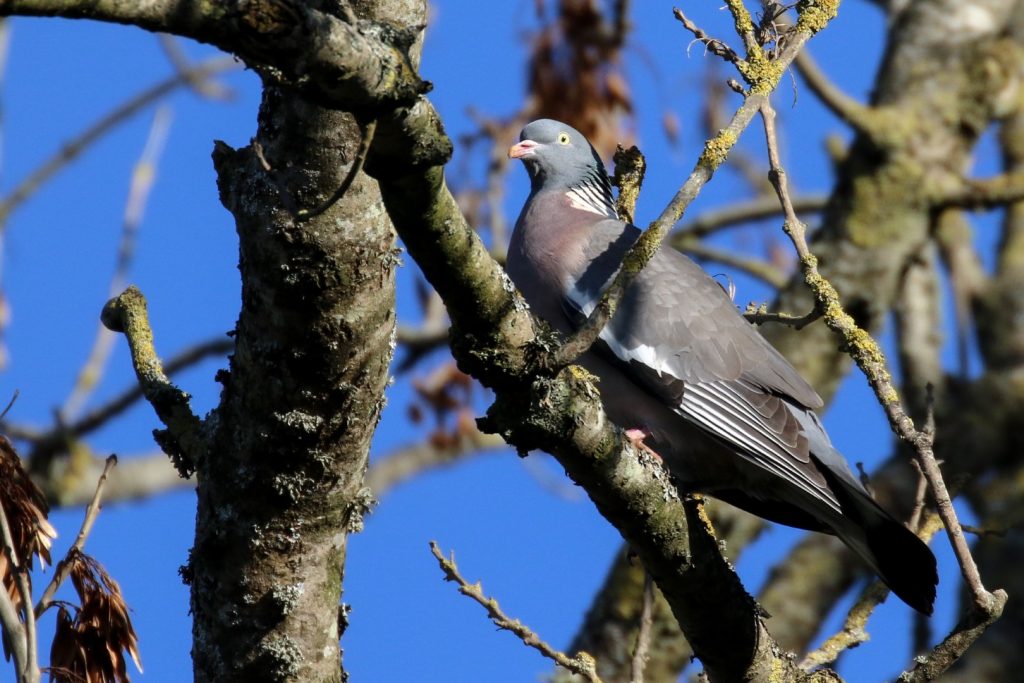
{"type": "Point", "coordinates": [636, 437]}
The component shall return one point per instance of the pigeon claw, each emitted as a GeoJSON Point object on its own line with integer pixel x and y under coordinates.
{"type": "Point", "coordinates": [636, 437]}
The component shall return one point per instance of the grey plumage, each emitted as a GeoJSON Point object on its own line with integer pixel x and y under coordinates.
{"type": "Point", "coordinates": [730, 416]}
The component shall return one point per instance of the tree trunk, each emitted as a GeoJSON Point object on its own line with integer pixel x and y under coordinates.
{"type": "Point", "coordinates": [283, 484]}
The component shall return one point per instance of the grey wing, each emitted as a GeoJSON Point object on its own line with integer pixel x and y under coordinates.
{"type": "Point", "coordinates": [677, 334]}
{"type": "Point", "coordinates": [678, 322]}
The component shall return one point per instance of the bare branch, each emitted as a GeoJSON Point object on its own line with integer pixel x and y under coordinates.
{"type": "Point", "coordinates": [202, 85]}
{"type": "Point", "coordinates": [406, 462]}
{"type": "Point", "coordinates": [73, 148]}
{"type": "Point", "coordinates": [929, 667]}
{"type": "Point", "coordinates": [760, 315]}
{"type": "Point", "coordinates": [183, 441]}
{"type": "Point", "coordinates": [643, 634]}
{"type": "Point", "coordinates": [713, 45]}
{"type": "Point", "coordinates": [838, 102]}
{"type": "Point", "coordinates": [967, 276]}
{"type": "Point", "coordinates": [987, 193]}
{"type": "Point", "coordinates": [142, 178]}
{"type": "Point", "coordinates": [582, 664]}
{"type": "Point", "coordinates": [630, 167]}
{"type": "Point", "coordinates": [347, 66]}
{"type": "Point", "coordinates": [744, 212]}
{"type": "Point", "coordinates": [64, 566]}
{"type": "Point", "coordinates": [869, 358]}
{"type": "Point", "coordinates": [135, 478]}
{"type": "Point", "coordinates": [762, 270]}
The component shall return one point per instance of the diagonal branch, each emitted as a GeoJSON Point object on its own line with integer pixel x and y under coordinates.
{"type": "Point", "coordinates": [74, 147]}
{"type": "Point", "coordinates": [183, 440]}
{"type": "Point", "coordinates": [582, 664]}
{"type": "Point", "coordinates": [869, 358]}
{"type": "Point", "coordinates": [64, 567]}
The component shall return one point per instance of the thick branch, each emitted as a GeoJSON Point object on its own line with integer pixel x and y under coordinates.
{"type": "Point", "coordinates": [358, 65]}
{"type": "Point", "coordinates": [64, 566]}
{"type": "Point", "coordinates": [405, 463]}
{"type": "Point", "coordinates": [984, 193]}
{"type": "Point", "coordinates": [858, 115]}
{"type": "Point", "coordinates": [495, 340]}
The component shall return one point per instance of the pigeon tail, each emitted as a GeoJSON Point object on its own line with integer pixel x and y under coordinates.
{"type": "Point", "coordinates": [902, 560]}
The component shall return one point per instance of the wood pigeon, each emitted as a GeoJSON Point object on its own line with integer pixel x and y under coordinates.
{"type": "Point", "coordinates": [727, 413]}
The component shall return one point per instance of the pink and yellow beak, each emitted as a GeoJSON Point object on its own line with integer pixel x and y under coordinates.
{"type": "Point", "coordinates": [522, 149]}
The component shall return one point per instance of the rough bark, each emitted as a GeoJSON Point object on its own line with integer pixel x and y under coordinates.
{"type": "Point", "coordinates": [282, 486]}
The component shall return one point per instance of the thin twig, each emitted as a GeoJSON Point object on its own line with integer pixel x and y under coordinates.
{"type": "Point", "coordinates": [71, 149]}
{"type": "Point", "coordinates": [64, 566]}
{"type": "Point", "coordinates": [869, 358]}
{"type": "Point", "coordinates": [919, 497]}
{"type": "Point", "coordinates": [93, 420]}
{"type": "Point", "coordinates": [201, 85]}
{"type": "Point", "coordinates": [712, 45]}
{"type": "Point", "coordinates": [408, 461]}
{"type": "Point", "coordinates": [142, 178]}
{"type": "Point", "coordinates": [357, 165]}
{"type": "Point", "coordinates": [582, 664]}
{"type": "Point", "coordinates": [734, 214]}
{"type": "Point", "coordinates": [643, 635]}
{"type": "Point", "coordinates": [762, 270]}
{"type": "Point", "coordinates": [759, 315]}
{"type": "Point", "coordinates": [10, 404]}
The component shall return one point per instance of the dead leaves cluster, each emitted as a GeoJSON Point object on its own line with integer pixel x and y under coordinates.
{"type": "Point", "coordinates": [25, 509]}
{"type": "Point", "coordinates": [91, 637]}
{"type": "Point", "coordinates": [447, 394]}
{"type": "Point", "coordinates": [90, 641]}
{"type": "Point", "coordinates": [576, 71]}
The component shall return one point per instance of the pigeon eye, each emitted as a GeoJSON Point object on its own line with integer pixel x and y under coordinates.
{"type": "Point", "coordinates": [563, 138]}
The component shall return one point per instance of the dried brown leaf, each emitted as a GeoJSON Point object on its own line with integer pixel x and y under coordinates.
{"type": "Point", "coordinates": [90, 647]}
{"type": "Point", "coordinates": [576, 74]}
{"type": "Point", "coordinates": [26, 509]}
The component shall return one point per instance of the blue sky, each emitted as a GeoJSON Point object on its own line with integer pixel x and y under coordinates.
{"type": "Point", "coordinates": [540, 554]}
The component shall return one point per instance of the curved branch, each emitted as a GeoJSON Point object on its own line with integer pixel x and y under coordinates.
{"type": "Point", "coordinates": [762, 270]}
{"type": "Point", "coordinates": [405, 463]}
{"type": "Point", "coordinates": [851, 111]}
{"type": "Point", "coordinates": [326, 58]}
{"type": "Point", "coordinates": [183, 440]}
{"type": "Point", "coordinates": [745, 212]}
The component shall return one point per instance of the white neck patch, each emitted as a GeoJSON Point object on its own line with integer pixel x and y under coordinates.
{"type": "Point", "coordinates": [589, 198]}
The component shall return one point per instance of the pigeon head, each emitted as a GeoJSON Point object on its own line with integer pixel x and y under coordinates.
{"type": "Point", "coordinates": [559, 158]}
{"type": "Point", "coordinates": [556, 155]}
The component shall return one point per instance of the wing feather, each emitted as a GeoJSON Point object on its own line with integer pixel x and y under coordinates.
{"type": "Point", "coordinates": [678, 334]}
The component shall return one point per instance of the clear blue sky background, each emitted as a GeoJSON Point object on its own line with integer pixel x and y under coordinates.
{"type": "Point", "coordinates": [540, 554]}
